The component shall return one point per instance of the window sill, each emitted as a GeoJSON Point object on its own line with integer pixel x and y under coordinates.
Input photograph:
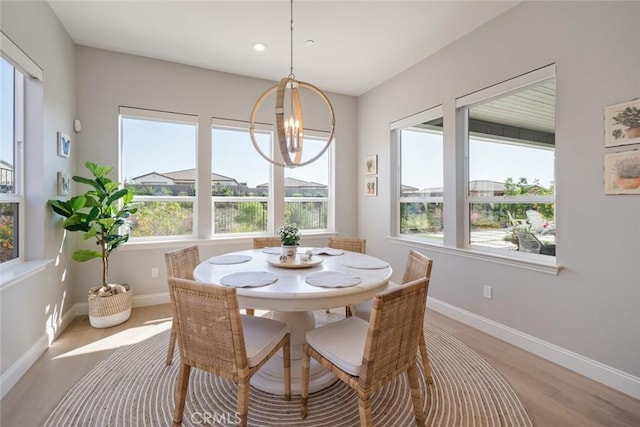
{"type": "Point", "coordinates": [134, 245]}
{"type": "Point", "coordinates": [9, 276]}
{"type": "Point", "coordinates": [541, 263]}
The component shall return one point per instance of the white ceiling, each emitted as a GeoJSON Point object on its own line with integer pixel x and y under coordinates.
{"type": "Point", "coordinates": [358, 44]}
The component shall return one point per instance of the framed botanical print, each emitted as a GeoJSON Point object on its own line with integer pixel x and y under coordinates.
{"type": "Point", "coordinates": [622, 124]}
{"type": "Point", "coordinates": [622, 172]}
{"type": "Point", "coordinates": [64, 184]}
{"type": "Point", "coordinates": [371, 164]}
{"type": "Point", "coordinates": [371, 186]}
{"type": "Point", "coordinates": [64, 145]}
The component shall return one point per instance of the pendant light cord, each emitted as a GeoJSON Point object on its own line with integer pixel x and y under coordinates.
{"type": "Point", "coordinates": [291, 75]}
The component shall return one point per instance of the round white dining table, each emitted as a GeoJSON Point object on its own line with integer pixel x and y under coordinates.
{"type": "Point", "coordinates": [293, 300]}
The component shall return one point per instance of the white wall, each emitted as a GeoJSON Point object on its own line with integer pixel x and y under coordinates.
{"type": "Point", "coordinates": [32, 308]}
{"type": "Point", "coordinates": [107, 80]}
{"type": "Point", "coordinates": [591, 307]}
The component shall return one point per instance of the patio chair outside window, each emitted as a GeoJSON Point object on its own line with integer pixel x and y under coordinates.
{"type": "Point", "coordinates": [528, 242]}
{"type": "Point", "coordinates": [517, 224]}
{"type": "Point", "coordinates": [538, 223]}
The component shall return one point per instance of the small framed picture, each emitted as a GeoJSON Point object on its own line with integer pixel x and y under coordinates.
{"type": "Point", "coordinates": [622, 124]}
{"type": "Point", "coordinates": [64, 184]}
{"type": "Point", "coordinates": [371, 186]}
{"type": "Point", "coordinates": [371, 164]}
{"type": "Point", "coordinates": [622, 172]}
{"type": "Point", "coordinates": [64, 145]}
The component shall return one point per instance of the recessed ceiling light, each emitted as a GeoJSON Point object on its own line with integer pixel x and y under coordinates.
{"type": "Point", "coordinates": [309, 42]}
{"type": "Point", "coordinates": [259, 47]}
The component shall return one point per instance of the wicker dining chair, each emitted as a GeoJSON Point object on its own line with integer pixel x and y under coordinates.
{"type": "Point", "coordinates": [366, 356]}
{"type": "Point", "coordinates": [347, 244]}
{"type": "Point", "coordinates": [180, 263]}
{"type": "Point", "coordinates": [266, 242]}
{"type": "Point", "coordinates": [418, 266]}
{"type": "Point", "coordinates": [216, 338]}
{"type": "Point", "coordinates": [260, 243]}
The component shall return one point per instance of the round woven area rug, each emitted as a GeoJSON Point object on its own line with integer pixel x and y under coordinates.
{"type": "Point", "coordinates": [467, 391]}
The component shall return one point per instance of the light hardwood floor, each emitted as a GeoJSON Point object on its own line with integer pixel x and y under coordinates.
{"type": "Point", "coordinates": [553, 396]}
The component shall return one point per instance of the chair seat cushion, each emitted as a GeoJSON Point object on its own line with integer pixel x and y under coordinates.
{"type": "Point", "coordinates": [363, 309]}
{"type": "Point", "coordinates": [261, 336]}
{"type": "Point", "coordinates": [342, 343]}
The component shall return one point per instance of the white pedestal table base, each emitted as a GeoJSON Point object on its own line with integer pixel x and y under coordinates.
{"type": "Point", "coordinates": [270, 378]}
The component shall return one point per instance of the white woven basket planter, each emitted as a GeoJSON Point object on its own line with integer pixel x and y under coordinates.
{"type": "Point", "coordinates": [105, 312]}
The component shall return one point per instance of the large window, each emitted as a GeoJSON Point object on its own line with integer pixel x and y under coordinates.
{"type": "Point", "coordinates": [511, 182]}
{"type": "Point", "coordinates": [421, 183]}
{"type": "Point", "coordinates": [241, 193]}
{"type": "Point", "coordinates": [307, 189]}
{"type": "Point", "coordinates": [159, 165]}
{"type": "Point", "coordinates": [485, 180]}
{"type": "Point", "coordinates": [11, 162]}
{"type": "Point", "coordinates": [240, 181]}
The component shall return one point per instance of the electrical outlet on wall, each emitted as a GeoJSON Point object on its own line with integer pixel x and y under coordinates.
{"type": "Point", "coordinates": [154, 272]}
{"type": "Point", "coordinates": [487, 291]}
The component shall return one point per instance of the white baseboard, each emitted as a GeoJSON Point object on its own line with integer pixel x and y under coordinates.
{"type": "Point", "coordinates": [13, 374]}
{"type": "Point", "coordinates": [593, 369]}
{"type": "Point", "coordinates": [82, 309]}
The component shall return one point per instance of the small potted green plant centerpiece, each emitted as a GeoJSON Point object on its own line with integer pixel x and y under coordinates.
{"type": "Point", "coordinates": [630, 118]}
{"type": "Point", "coordinates": [101, 214]}
{"type": "Point", "coordinates": [628, 173]}
{"type": "Point", "coordinates": [290, 238]}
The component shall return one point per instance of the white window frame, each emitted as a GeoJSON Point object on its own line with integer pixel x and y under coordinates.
{"type": "Point", "coordinates": [463, 105]}
{"type": "Point", "coordinates": [270, 199]}
{"type": "Point", "coordinates": [17, 196]}
{"type": "Point", "coordinates": [32, 258]}
{"type": "Point", "coordinates": [165, 117]}
{"type": "Point", "coordinates": [276, 200]}
{"type": "Point", "coordinates": [330, 199]}
{"type": "Point", "coordinates": [396, 129]}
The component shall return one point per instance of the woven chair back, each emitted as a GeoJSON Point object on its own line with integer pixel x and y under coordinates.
{"type": "Point", "coordinates": [394, 329]}
{"type": "Point", "coordinates": [266, 242]}
{"type": "Point", "coordinates": [181, 262]}
{"type": "Point", "coordinates": [348, 244]}
{"type": "Point", "coordinates": [210, 328]}
{"type": "Point", "coordinates": [417, 267]}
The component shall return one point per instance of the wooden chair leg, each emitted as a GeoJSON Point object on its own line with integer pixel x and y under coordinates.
{"type": "Point", "coordinates": [364, 408]}
{"type": "Point", "coordinates": [182, 386]}
{"type": "Point", "coordinates": [243, 401]}
{"type": "Point", "coordinates": [347, 311]}
{"type": "Point", "coordinates": [286, 350]}
{"type": "Point", "coordinates": [416, 396]}
{"type": "Point", "coordinates": [306, 365]}
{"type": "Point", "coordinates": [327, 310]}
{"type": "Point", "coordinates": [425, 359]}
{"type": "Point", "coordinates": [250, 311]}
{"type": "Point", "coordinates": [172, 343]}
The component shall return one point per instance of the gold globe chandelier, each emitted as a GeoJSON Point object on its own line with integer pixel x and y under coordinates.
{"type": "Point", "coordinates": [290, 130]}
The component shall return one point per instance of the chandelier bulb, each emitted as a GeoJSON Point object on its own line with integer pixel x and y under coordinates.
{"type": "Point", "coordinates": [290, 131]}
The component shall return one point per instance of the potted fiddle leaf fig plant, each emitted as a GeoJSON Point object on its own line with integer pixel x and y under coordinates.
{"type": "Point", "coordinates": [101, 214]}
